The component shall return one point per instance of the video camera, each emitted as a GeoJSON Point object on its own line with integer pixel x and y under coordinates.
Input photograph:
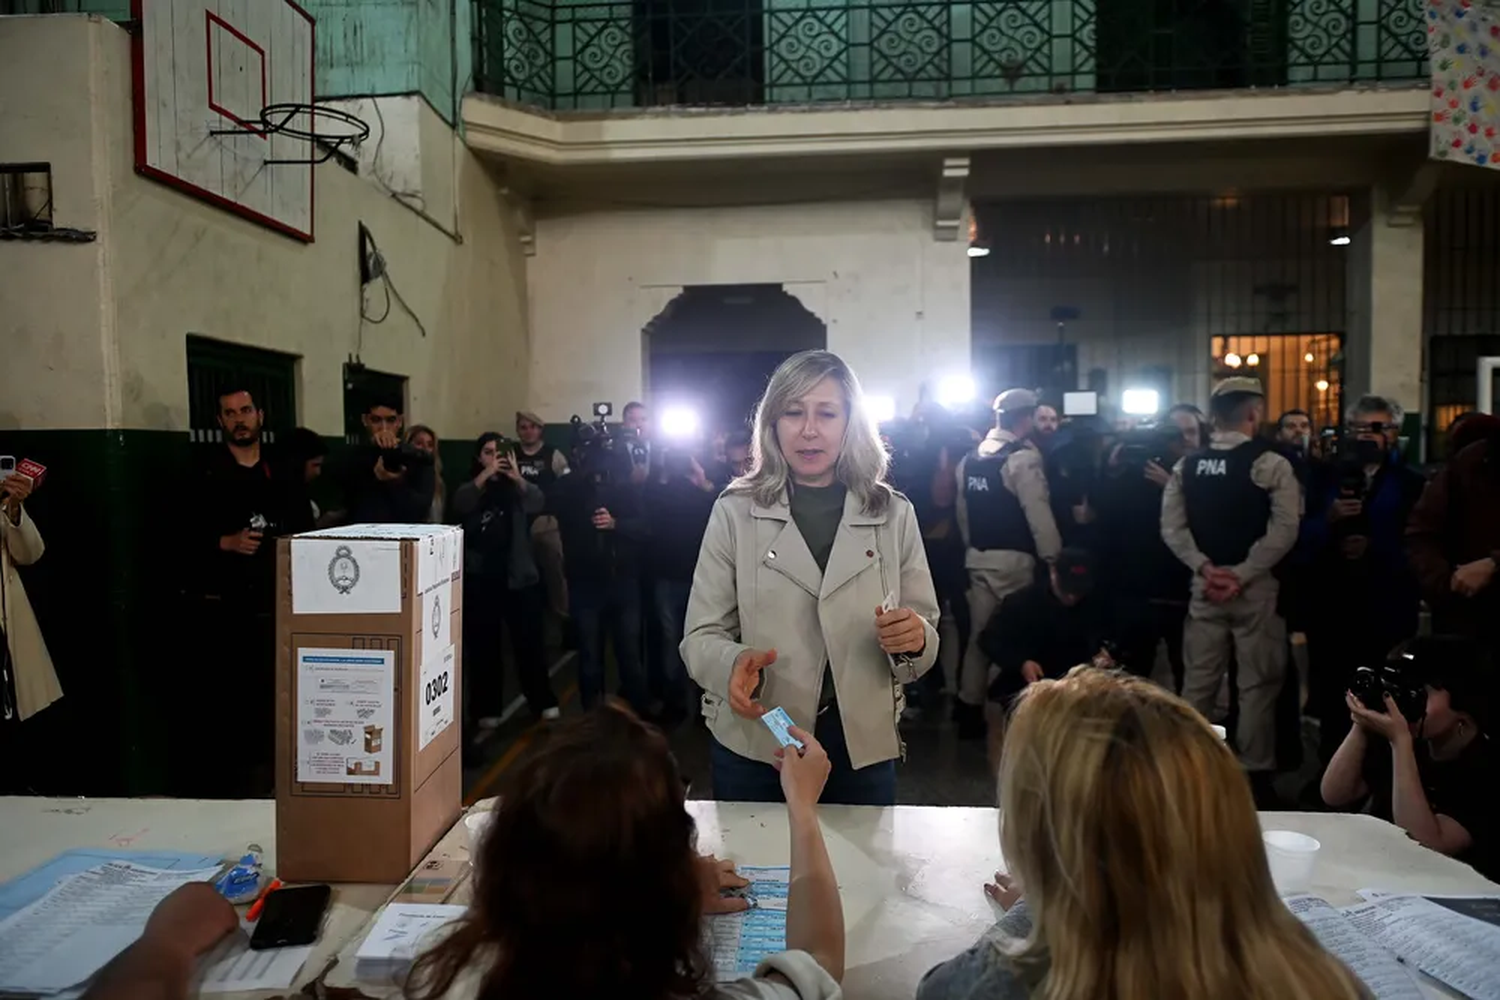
{"type": "Point", "coordinates": [1144, 445]}
{"type": "Point", "coordinates": [403, 455]}
{"type": "Point", "coordinates": [596, 445]}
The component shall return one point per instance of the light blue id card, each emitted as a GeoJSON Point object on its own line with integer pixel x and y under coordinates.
{"type": "Point", "coordinates": [778, 722]}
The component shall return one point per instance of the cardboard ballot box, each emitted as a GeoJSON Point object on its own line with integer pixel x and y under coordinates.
{"type": "Point", "coordinates": [368, 630]}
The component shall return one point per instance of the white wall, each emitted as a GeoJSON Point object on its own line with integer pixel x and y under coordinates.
{"type": "Point", "coordinates": [895, 302]}
{"type": "Point", "coordinates": [167, 266]}
{"type": "Point", "coordinates": [57, 353]}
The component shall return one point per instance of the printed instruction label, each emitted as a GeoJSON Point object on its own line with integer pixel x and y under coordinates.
{"type": "Point", "coordinates": [334, 576]}
{"type": "Point", "coordinates": [346, 716]}
{"type": "Point", "coordinates": [436, 709]}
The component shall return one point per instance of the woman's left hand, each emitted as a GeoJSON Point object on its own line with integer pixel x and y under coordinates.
{"type": "Point", "coordinates": [900, 631]}
{"type": "Point", "coordinates": [1390, 724]}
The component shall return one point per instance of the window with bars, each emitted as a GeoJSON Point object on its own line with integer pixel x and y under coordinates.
{"type": "Point", "coordinates": [1461, 300]}
{"type": "Point", "coordinates": [1152, 291]}
{"type": "Point", "coordinates": [214, 366]}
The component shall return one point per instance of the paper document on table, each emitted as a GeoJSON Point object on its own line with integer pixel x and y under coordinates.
{"type": "Point", "coordinates": [1450, 947]}
{"type": "Point", "coordinates": [400, 932]}
{"type": "Point", "coordinates": [1373, 963]}
{"type": "Point", "coordinates": [233, 968]}
{"type": "Point", "coordinates": [84, 921]}
{"type": "Point", "coordinates": [23, 890]}
{"type": "Point", "coordinates": [1486, 908]}
{"type": "Point", "coordinates": [738, 942]}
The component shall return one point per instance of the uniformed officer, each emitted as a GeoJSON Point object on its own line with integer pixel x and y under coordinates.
{"type": "Point", "coordinates": [1230, 513]}
{"type": "Point", "coordinates": [543, 465]}
{"type": "Point", "coordinates": [1005, 518]}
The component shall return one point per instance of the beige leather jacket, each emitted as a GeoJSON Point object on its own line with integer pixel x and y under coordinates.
{"type": "Point", "coordinates": [36, 681]}
{"type": "Point", "coordinates": [758, 587]}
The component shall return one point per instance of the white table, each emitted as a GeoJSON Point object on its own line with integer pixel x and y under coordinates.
{"type": "Point", "coordinates": [35, 830]}
{"type": "Point", "coordinates": [910, 876]}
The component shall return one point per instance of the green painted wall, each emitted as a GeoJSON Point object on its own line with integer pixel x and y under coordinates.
{"type": "Point", "coordinates": [382, 47]}
{"type": "Point", "coordinates": [104, 594]}
{"type": "Point", "coordinates": [107, 593]}
{"type": "Point", "coordinates": [115, 10]}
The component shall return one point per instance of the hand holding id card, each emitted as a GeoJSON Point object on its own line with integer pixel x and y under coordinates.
{"type": "Point", "coordinates": [779, 723]}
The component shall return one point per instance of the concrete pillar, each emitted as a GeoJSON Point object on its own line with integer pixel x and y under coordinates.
{"type": "Point", "coordinates": [1383, 345]}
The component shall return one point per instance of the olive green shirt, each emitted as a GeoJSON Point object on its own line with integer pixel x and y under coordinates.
{"type": "Point", "coordinates": [817, 511]}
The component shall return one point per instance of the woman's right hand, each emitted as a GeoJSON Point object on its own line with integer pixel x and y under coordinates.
{"type": "Point", "coordinates": [1004, 892]}
{"type": "Point", "coordinates": [804, 772]}
{"type": "Point", "coordinates": [489, 468]}
{"type": "Point", "coordinates": [744, 679]}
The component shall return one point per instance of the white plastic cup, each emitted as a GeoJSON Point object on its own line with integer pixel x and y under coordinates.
{"type": "Point", "coordinates": [1292, 857]}
{"type": "Point", "coordinates": [477, 824]}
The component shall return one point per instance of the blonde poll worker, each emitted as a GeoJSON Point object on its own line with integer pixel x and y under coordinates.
{"type": "Point", "coordinates": [812, 594]}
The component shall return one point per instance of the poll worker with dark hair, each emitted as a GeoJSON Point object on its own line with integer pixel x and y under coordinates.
{"type": "Point", "coordinates": [1004, 513]}
{"type": "Point", "coordinates": [1230, 514]}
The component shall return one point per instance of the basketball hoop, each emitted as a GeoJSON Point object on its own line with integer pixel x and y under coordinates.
{"type": "Point", "coordinates": [277, 119]}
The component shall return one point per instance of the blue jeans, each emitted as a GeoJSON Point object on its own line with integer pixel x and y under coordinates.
{"type": "Point", "coordinates": [740, 779]}
{"type": "Point", "coordinates": [612, 609]}
{"type": "Point", "coordinates": [671, 612]}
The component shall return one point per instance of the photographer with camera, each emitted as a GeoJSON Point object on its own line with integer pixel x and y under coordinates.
{"type": "Point", "coordinates": [1044, 631]}
{"type": "Point", "coordinates": [1350, 555]}
{"type": "Point", "coordinates": [602, 525]}
{"type": "Point", "coordinates": [502, 587]}
{"type": "Point", "coordinates": [1146, 585]}
{"type": "Point", "coordinates": [1420, 749]}
{"type": "Point", "coordinates": [388, 481]}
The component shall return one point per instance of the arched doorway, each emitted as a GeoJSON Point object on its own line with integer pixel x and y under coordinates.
{"type": "Point", "coordinates": [713, 347]}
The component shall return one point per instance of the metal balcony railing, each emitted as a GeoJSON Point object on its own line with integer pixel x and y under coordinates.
{"type": "Point", "coordinates": [565, 55]}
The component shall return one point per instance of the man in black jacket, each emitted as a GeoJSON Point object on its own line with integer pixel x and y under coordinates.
{"type": "Point", "coordinates": [1146, 585]}
{"type": "Point", "coordinates": [678, 506]}
{"type": "Point", "coordinates": [601, 522]}
{"type": "Point", "coordinates": [387, 482]}
{"type": "Point", "coordinates": [241, 502]}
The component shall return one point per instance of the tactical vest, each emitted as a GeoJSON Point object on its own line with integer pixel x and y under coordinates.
{"type": "Point", "coordinates": [996, 519]}
{"type": "Point", "coordinates": [537, 469]}
{"type": "Point", "coordinates": [1227, 512]}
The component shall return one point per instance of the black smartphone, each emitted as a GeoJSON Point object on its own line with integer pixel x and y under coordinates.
{"type": "Point", "coordinates": [291, 917]}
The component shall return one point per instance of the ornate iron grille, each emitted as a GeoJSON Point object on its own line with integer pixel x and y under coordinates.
{"type": "Point", "coordinates": [641, 53]}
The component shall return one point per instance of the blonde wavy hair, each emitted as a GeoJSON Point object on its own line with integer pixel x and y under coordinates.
{"type": "Point", "coordinates": [862, 461]}
{"type": "Point", "coordinates": [1131, 828]}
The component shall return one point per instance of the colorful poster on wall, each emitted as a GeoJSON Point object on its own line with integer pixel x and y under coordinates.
{"type": "Point", "coordinates": [1463, 43]}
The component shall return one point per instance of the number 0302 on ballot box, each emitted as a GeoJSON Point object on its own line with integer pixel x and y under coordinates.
{"type": "Point", "coordinates": [368, 646]}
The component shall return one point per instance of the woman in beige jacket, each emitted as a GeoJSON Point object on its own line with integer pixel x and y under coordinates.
{"type": "Point", "coordinates": [812, 594]}
{"type": "Point", "coordinates": [31, 684]}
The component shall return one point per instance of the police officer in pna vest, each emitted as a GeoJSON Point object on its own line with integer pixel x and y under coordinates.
{"type": "Point", "coordinates": [1230, 513]}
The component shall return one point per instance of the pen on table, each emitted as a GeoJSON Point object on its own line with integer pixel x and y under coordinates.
{"type": "Point", "coordinates": [260, 903]}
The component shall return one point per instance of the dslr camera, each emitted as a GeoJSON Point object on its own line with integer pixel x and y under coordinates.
{"type": "Point", "coordinates": [1396, 677]}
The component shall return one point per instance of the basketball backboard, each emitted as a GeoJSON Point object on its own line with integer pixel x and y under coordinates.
{"type": "Point", "coordinates": [204, 70]}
